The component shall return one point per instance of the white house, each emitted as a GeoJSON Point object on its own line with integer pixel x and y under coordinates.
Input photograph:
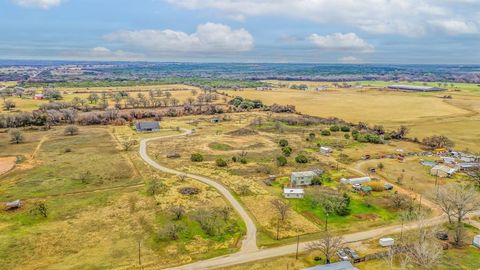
{"type": "Point", "coordinates": [303, 178]}
{"type": "Point", "coordinates": [476, 241]}
{"type": "Point", "coordinates": [448, 160]}
{"type": "Point", "coordinates": [293, 193]}
{"type": "Point", "coordinates": [325, 150]}
{"type": "Point", "coordinates": [359, 180]}
{"type": "Point", "coordinates": [443, 170]}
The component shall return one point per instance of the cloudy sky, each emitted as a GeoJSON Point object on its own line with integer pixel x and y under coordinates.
{"type": "Point", "coordinates": [319, 31]}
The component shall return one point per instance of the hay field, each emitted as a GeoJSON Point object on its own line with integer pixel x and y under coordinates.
{"type": "Point", "coordinates": [425, 113]}
{"type": "Point", "coordinates": [96, 223]}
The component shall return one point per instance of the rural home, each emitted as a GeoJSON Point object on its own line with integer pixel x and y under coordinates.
{"type": "Point", "coordinates": [334, 266]}
{"type": "Point", "coordinates": [415, 88]}
{"type": "Point", "coordinates": [38, 97]}
{"type": "Point", "coordinates": [443, 171]}
{"type": "Point", "coordinates": [325, 150]}
{"type": "Point", "coordinates": [359, 180]}
{"type": "Point", "coordinates": [147, 126]}
{"type": "Point", "coordinates": [303, 178]}
{"type": "Point", "coordinates": [293, 193]}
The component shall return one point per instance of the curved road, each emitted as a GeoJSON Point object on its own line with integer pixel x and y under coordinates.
{"type": "Point", "coordinates": [249, 244]}
{"type": "Point", "coordinates": [249, 251]}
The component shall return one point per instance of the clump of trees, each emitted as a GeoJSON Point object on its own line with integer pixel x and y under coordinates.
{"type": "Point", "coordinates": [436, 141]}
{"type": "Point", "coordinates": [246, 104]}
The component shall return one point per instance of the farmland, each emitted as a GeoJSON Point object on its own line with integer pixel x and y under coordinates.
{"type": "Point", "coordinates": [425, 114]}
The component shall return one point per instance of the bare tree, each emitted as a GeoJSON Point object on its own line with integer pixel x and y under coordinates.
{"type": "Point", "coordinates": [178, 211]}
{"type": "Point", "coordinates": [423, 251]}
{"type": "Point", "coordinates": [224, 212]}
{"type": "Point", "coordinates": [71, 130]}
{"type": "Point", "coordinates": [172, 231]}
{"type": "Point", "coordinates": [328, 245]}
{"type": "Point", "coordinates": [281, 208]}
{"type": "Point", "coordinates": [129, 144]}
{"type": "Point", "coordinates": [475, 175]}
{"type": "Point", "coordinates": [465, 200]}
{"type": "Point", "coordinates": [8, 104]}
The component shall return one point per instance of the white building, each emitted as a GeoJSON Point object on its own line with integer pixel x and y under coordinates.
{"type": "Point", "coordinates": [303, 178]}
{"type": "Point", "coordinates": [476, 241]}
{"type": "Point", "coordinates": [443, 170]}
{"type": "Point", "coordinates": [359, 180]}
{"type": "Point", "coordinates": [325, 150]}
{"type": "Point", "coordinates": [293, 193]}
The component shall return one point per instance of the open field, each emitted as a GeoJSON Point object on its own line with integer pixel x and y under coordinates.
{"type": "Point", "coordinates": [257, 144]}
{"type": "Point", "coordinates": [424, 113]}
{"type": "Point", "coordinates": [98, 206]}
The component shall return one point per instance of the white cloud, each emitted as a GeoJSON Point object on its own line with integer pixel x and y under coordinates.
{"type": "Point", "coordinates": [339, 41]}
{"type": "Point", "coordinates": [102, 53]}
{"type": "Point", "coordinates": [456, 26]}
{"type": "Point", "coordinates": [209, 38]}
{"type": "Point", "coordinates": [349, 60]}
{"type": "Point", "coordinates": [44, 4]}
{"type": "Point", "coordinates": [404, 17]}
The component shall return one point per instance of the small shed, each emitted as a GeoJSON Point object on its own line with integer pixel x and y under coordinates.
{"type": "Point", "coordinates": [386, 242]}
{"type": "Point", "coordinates": [147, 126]}
{"type": "Point", "coordinates": [359, 180]}
{"type": "Point", "coordinates": [476, 241]}
{"type": "Point", "coordinates": [293, 193]}
{"type": "Point", "coordinates": [325, 150]}
{"type": "Point", "coordinates": [13, 205]}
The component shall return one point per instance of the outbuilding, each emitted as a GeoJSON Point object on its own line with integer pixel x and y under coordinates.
{"type": "Point", "coordinates": [443, 171]}
{"type": "Point", "coordinates": [13, 205]}
{"type": "Point", "coordinates": [147, 126]}
{"type": "Point", "coordinates": [476, 241]}
{"type": "Point", "coordinates": [325, 150]}
{"type": "Point", "coordinates": [359, 180]}
{"type": "Point", "coordinates": [293, 193]}
{"type": "Point", "coordinates": [386, 242]}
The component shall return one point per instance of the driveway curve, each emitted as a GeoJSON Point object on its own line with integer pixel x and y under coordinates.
{"type": "Point", "coordinates": [249, 243]}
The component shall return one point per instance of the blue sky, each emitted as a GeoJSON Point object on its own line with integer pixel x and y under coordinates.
{"type": "Point", "coordinates": [319, 31]}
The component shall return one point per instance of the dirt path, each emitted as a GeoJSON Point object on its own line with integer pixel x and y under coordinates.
{"type": "Point", "coordinates": [7, 164]}
{"type": "Point", "coordinates": [249, 244]}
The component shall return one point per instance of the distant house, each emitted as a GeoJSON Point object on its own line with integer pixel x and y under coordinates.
{"type": "Point", "coordinates": [13, 205]}
{"type": "Point", "coordinates": [345, 265]}
{"type": "Point", "coordinates": [325, 150]}
{"type": "Point", "coordinates": [38, 96]}
{"type": "Point", "coordinates": [293, 193]}
{"type": "Point", "coordinates": [264, 88]}
{"type": "Point", "coordinates": [468, 165]}
{"type": "Point", "coordinates": [304, 178]}
{"type": "Point", "coordinates": [428, 163]}
{"type": "Point", "coordinates": [415, 88]}
{"type": "Point", "coordinates": [448, 160]}
{"type": "Point", "coordinates": [443, 170]}
{"type": "Point", "coordinates": [215, 120]}
{"type": "Point", "coordinates": [147, 126]}
{"type": "Point", "coordinates": [359, 180]}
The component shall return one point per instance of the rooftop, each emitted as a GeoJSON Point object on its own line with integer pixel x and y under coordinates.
{"type": "Point", "coordinates": [415, 88]}
{"type": "Point", "coordinates": [293, 191]}
{"type": "Point", "coordinates": [304, 174]}
{"type": "Point", "coordinates": [334, 266]}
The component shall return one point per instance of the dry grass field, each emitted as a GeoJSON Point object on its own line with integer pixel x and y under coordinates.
{"type": "Point", "coordinates": [97, 205]}
{"type": "Point", "coordinates": [425, 113]}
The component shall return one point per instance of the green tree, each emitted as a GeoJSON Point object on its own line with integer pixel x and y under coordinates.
{"type": "Point", "coordinates": [281, 161]}
{"type": "Point", "coordinates": [301, 159]}
{"type": "Point", "coordinates": [283, 143]}
{"type": "Point", "coordinates": [196, 157]}
{"type": "Point", "coordinates": [16, 136]}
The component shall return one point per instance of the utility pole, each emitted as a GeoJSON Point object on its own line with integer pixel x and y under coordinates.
{"type": "Point", "coordinates": [298, 243]}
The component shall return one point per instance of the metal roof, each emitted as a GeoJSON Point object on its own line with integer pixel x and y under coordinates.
{"type": "Point", "coordinates": [147, 125]}
{"type": "Point", "coordinates": [334, 266]}
{"type": "Point", "coordinates": [415, 88]}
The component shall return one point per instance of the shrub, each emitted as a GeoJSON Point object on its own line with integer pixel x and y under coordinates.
{"type": "Point", "coordinates": [234, 159]}
{"type": "Point", "coordinates": [345, 129]}
{"type": "Point", "coordinates": [243, 160]}
{"type": "Point", "coordinates": [283, 143]}
{"type": "Point", "coordinates": [301, 159]}
{"type": "Point", "coordinates": [326, 132]}
{"type": "Point", "coordinates": [16, 136]}
{"type": "Point", "coordinates": [189, 191]}
{"type": "Point", "coordinates": [287, 151]}
{"type": "Point", "coordinates": [335, 128]}
{"type": "Point", "coordinates": [347, 136]}
{"type": "Point", "coordinates": [196, 157]}
{"type": "Point", "coordinates": [221, 162]}
{"type": "Point", "coordinates": [71, 130]}
{"type": "Point", "coordinates": [317, 181]}
{"type": "Point", "coordinates": [281, 161]}
{"type": "Point", "coordinates": [376, 186]}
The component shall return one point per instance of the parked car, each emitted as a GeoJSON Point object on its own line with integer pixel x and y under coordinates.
{"type": "Point", "coordinates": [388, 186]}
{"type": "Point", "coordinates": [342, 255]}
{"type": "Point", "coordinates": [442, 236]}
{"type": "Point", "coordinates": [357, 186]}
{"type": "Point", "coordinates": [350, 252]}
